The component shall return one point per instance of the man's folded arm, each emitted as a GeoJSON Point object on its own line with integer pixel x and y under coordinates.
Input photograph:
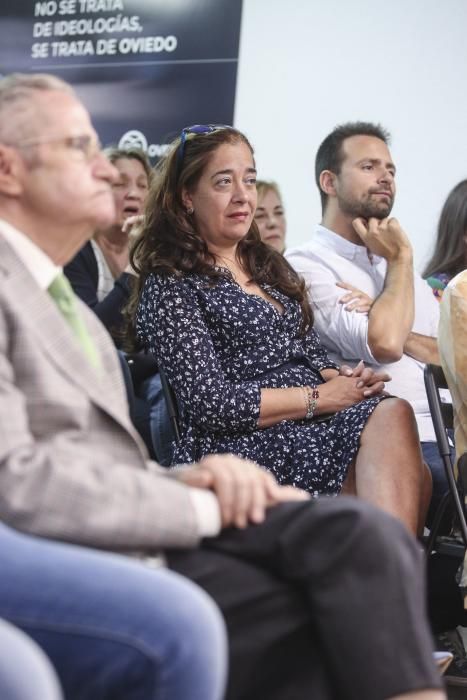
{"type": "Point", "coordinates": [378, 337]}
{"type": "Point", "coordinates": [342, 332]}
{"type": "Point", "coordinates": [423, 348]}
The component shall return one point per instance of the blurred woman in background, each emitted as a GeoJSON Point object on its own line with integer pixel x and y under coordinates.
{"type": "Point", "coordinates": [450, 253]}
{"type": "Point", "coordinates": [99, 273]}
{"type": "Point", "coordinates": [270, 215]}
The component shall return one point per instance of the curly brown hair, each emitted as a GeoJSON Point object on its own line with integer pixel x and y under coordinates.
{"type": "Point", "coordinates": [169, 243]}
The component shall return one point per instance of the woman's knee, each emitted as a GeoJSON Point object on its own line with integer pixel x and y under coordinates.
{"type": "Point", "coordinates": [394, 413]}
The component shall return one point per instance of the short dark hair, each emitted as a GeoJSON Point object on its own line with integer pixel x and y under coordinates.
{"type": "Point", "coordinates": [330, 154]}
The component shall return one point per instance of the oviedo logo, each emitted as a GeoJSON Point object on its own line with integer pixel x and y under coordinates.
{"type": "Point", "coordinates": [136, 139]}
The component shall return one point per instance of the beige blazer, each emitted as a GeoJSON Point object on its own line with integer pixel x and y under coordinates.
{"type": "Point", "coordinates": [72, 466]}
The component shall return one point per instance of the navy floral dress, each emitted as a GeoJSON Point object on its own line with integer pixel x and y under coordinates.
{"type": "Point", "coordinates": [219, 346]}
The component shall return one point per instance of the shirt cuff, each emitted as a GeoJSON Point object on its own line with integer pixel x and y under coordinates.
{"type": "Point", "coordinates": [207, 512]}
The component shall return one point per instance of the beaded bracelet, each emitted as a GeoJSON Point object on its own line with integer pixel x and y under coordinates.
{"type": "Point", "coordinates": [311, 401]}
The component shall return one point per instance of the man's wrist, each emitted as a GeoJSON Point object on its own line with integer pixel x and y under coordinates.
{"type": "Point", "coordinates": [404, 256]}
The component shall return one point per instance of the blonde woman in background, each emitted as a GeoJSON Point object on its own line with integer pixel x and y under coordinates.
{"type": "Point", "coordinates": [270, 215]}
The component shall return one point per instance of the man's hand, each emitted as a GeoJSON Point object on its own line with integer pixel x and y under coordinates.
{"type": "Point", "coordinates": [384, 237]}
{"type": "Point", "coordinates": [355, 299]}
{"type": "Point", "coordinates": [243, 489]}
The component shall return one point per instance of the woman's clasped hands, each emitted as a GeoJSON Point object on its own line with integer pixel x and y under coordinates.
{"type": "Point", "coordinates": [351, 386]}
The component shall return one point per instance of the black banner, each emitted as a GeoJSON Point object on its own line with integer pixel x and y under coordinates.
{"type": "Point", "coordinates": [144, 68]}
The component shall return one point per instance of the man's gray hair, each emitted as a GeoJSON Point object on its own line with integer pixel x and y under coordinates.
{"type": "Point", "coordinates": [16, 93]}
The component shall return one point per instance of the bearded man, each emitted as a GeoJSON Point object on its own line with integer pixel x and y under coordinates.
{"type": "Point", "coordinates": [386, 314]}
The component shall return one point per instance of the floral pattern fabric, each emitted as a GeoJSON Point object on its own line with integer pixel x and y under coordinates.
{"type": "Point", "coordinates": [438, 283]}
{"type": "Point", "coordinates": [219, 346]}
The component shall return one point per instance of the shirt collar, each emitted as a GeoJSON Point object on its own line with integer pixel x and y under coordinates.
{"type": "Point", "coordinates": [343, 247]}
{"type": "Point", "coordinates": [38, 264]}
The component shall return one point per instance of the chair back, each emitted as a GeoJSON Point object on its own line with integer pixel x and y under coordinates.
{"type": "Point", "coordinates": [441, 412]}
{"type": "Point", "coordinates": [443, 419]}
{"type": "Point", "coordinates": [130, 391]}
{"type": "Point", "coordinates": [171, 403]}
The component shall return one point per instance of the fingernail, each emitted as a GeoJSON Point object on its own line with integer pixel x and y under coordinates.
{"type": "Point", "coordinates": [360, 384]}
{"type": "Point", "coordinates": [367, 393]}
{"type": "Point", "coordinates": [258, 516]}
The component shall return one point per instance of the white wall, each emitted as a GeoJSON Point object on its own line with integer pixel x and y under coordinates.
{"type": "Point", "coordinates": [307, 65]}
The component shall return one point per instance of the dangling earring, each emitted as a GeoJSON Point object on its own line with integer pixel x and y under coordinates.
{"type": "Point", "coordinates": [190, 211]}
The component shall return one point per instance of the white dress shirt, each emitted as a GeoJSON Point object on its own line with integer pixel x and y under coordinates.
{"type": "Point", "coordinates": [38, 264]}
{"type": "Point", "coordinates": [44, 271]}
{"type": "Point", "coordinates": [328, 258]}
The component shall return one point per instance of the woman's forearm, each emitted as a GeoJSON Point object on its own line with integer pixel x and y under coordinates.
{"type": "Point", "coordinates": [295, 403]}
{"type": "Point", "coordinates": [282, 404]}
{"type": "Point", "coordinates": [339, 391]}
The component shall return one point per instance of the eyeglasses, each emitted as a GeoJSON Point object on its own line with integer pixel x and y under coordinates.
{"type": "Point", "coordinates": [86, 146]}
{"type": "Point", "coordinates": [196, 129]}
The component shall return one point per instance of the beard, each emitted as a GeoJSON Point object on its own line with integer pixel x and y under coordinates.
{"type": "Point", "coordinates": [366, 208]}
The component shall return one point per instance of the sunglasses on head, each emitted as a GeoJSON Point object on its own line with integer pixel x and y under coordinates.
{"type": "Point", "coordinates": [196, 129]}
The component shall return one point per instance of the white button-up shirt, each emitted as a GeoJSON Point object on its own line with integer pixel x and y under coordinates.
{"type": "Point", "coordinates": [328, 258]}
{"type": "Point", "coordinates": [38, 264]}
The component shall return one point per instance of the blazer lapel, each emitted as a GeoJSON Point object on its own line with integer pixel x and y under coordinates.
{"type": "Point", "coordinates": [39, 312]}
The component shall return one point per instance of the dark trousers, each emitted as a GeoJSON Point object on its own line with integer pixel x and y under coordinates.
{"type": "Point", "coordinates": [325, 600]}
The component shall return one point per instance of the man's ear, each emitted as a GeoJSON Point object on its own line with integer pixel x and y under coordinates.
{"type": "Point", "coordinates": [327, 182]}
{"type": "Point", "coordinates": [10, 171]}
